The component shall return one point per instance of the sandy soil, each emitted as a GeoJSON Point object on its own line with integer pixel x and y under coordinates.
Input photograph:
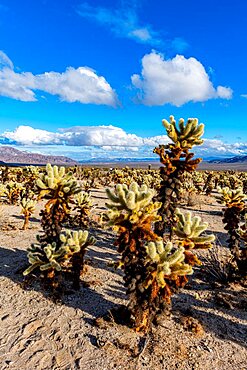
{"type": "Point", "coordinates": [37, 333]}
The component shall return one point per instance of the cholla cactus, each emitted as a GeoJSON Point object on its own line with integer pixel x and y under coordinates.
{"type": "Point", "coordinates": [27, 209]}
{"type": "Point", "coordinates": [60, 256]}
{"type": "Point", "coordinates": [232, 198]}
{"type": "Point", "coordinates": [188, 231]}
{"type": "Point", "coordinates": [58, 187]}
{"type": "Point", "coordinates": [13, 190]}
{"type": "Point", "coordinates": [177, 161]}
{"type": "Point", "coordinates": [132, 212]}
{"type": "Point", "coordinates": [57, 252]}
{"type": "Point", "coordinates": [234, 212]}
{"type": "Point", "coordinates": [82, 206]}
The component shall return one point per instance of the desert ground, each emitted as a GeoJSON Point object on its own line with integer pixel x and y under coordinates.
{"type": "Point", "coordinates": [206, 329]}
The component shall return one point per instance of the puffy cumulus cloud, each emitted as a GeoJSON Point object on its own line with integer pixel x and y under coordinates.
{"type": "Point", "coordinates": [175, 81]}
{"type": "Point", "coordinates": [106, 142]}
{"type": "Point", "coordinates": [74, 85]}
{"type": "Point", "coordinates": [104, 136]}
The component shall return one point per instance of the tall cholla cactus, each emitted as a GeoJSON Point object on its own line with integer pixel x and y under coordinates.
{"type": "Point", "coordinates": [235, 212]}
{"type": "Point", "coordinates": [167, 271]}
{"type": "Point", "coordinates": [176, 160]}
{"type": "Point", "coordinates": [65, 255]}
{"type": "Point", "coordinates": [132, 212]}
{"type": "Point", "coordinates": [27, 209]}
{"type": "Point", "coordinates": [188, 231]}
{"type": "Point", "coordinates": [58, 187]}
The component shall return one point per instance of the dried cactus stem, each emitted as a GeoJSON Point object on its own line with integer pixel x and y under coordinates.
{"type": "Point", "coordinates": [26, 221]}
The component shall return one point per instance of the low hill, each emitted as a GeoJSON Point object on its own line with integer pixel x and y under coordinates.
{"type": "Point", "coordinates": [9, 155]}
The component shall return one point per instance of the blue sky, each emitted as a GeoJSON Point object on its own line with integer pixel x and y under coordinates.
{"type": "Point", "coordinates": [68, 67]}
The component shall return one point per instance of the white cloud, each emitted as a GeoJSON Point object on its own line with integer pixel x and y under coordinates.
{"type": "Point", "coordinates": [74, 85]}
{"type": "Point", "coordinates": [5, 61]}
{"type": "Point", "coordinates": [175, 81]}
{"type": "Point", "coordinates": [104, 142]}
{"type": "Point", "coordinates": [105, 136]}
{"type": "Point", "coordinates": [123, 22]}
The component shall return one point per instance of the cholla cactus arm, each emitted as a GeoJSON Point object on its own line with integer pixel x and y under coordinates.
{"type": "Point", "coordinates": [133, 204]}
{"type": "Point", "coordinates": [168, 269]}
{"type": "Point", "coordinates": [189, 230]}
{"type": "Point", "coordinates": [186, 135]}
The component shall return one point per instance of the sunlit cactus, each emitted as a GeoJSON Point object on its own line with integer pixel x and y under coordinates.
{"type": "Point", "coordinates": [176, 160]}
{"type": "Point", "coordinates": [60, 256]}
{"type": "Point", "coordinates": [186, 135]}
{"type": "Point", "coordinates": [57, 252]}
{"type": "Point", "coordinates": [27, 209]}
{"type": "Point", "coordinates": [58, 187]}
{"type": "Point", "coordinates": [168, 270]}
{"type": "Point", "coordinates": [188, 231]}
{"type": "Point", "coordinates": [132, 212]}
{"type": "Point", "coordinates": [133, 204]}
{"type": "Point", "coordinates": [232, 197]}
{"type": "Point", "coordinates": [82, 206]}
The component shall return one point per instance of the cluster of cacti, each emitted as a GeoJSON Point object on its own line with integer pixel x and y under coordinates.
{"type": "Point", "coordinates": [176, 160]}
{"type": "Point", "coordinates": [152, 271]}
{"type": "Point", "coordinates": [56, 251]}
{"type": "Point", "coordinates": [234, 213]}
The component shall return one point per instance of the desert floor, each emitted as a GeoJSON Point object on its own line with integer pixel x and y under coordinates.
{"type": "Point", "coordinates": [206, 329]}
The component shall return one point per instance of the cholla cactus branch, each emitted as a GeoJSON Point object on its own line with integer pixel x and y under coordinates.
{"type": "Point", "coordinates": [188, 231]}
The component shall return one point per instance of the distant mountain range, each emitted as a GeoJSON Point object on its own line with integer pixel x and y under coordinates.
{"type": "Point", "coordinates": [237, 159]}
{"type": "Point", "coordinates": [9, 155]}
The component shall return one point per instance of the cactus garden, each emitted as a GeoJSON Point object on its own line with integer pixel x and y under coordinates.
{"type": "Point", "coordinates": [117, 268]}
